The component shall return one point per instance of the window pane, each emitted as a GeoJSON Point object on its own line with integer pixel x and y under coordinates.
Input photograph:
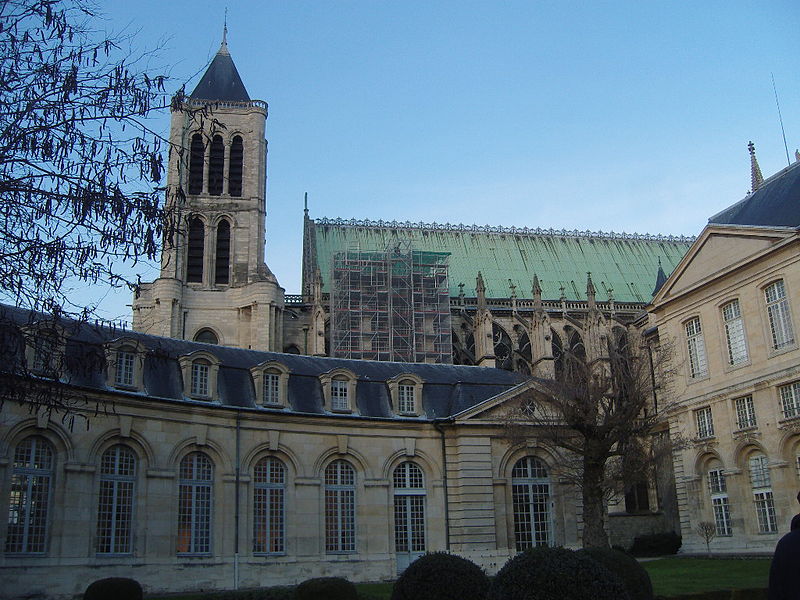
{"type": "Point", "coordinates": [29, 496]}
{"type": "Point", "coordinates": [194, 504]}
{"type": "Point", "coordinates": [779, 318]}
{"type": "Point", "coordinates": [339, 507]}
{"type": "Point", "coordinates": [269, 507]}
{"type": "Point", "coordinates": [734, 333]}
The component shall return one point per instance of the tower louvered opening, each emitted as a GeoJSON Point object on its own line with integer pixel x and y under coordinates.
{"type": "Point", "coordinates": [216, 163]}
{"type": "Point", "coordinates": [194, 255]}
{"type": "Point", "coordinates": [235, 167]}
{"type": "Point", "coordinates": [223, 254]}
{"type": "Point", "coordinates": [196, 159]}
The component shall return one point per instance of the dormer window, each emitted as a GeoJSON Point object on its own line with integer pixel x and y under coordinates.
{"type": "Point", "coordinates": [339, 389]}
{"type": "Point", "coordinates": [200, 377]}
{"type": "Point", "coordinates": [44, 349]}
{"type": "Point", "coordinates": [199, 371]}
{"type": "Point", "coordinates": [406, 398]}
{"type": "Point", "coordinates": [44, 352]}
{"type": "Point", "coordinates": [406, 394]}
{"type": "Point", "coordinates": [340, 398]}
{"type": "Point", "coordinates": [271, 384]}
{"type": "Point", "coordinates": [124, 372]}
{"type": "Point", "coordinates": [124, 358]}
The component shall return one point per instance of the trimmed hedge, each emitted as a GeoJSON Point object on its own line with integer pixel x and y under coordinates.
{"type": "Point", "coordinates": [656, 544]}
{"type": "Point", "coordinates": [547, 573]}
{"type": "Point", "coordinates": [118, 588]}
{"type": "Point", "coordinates": [441, 576]}
{"type": "Point", "coordinates": [329, 588]}
{"type": "Point", "coordinates": [633, 575]}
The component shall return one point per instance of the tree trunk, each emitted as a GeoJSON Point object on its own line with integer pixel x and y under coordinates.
{"type": "Point", "coordinates": [594, 507]}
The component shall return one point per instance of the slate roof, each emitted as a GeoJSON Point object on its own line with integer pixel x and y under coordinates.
{"type": "Point", "coordinates": [776, 203]}
{"type": "Point", "coordinates": [221, 80]}
{"type": "Point", "coordinates": [447, 389]}
{"type": "Point", "coordinates": [627, 263]}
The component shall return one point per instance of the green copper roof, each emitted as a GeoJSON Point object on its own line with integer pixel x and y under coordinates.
{"type": "Point", "coordinates": [626, 263]}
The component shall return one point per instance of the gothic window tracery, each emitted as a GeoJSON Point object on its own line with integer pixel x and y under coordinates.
{"type": "Point", "coordinates": [502, 348]}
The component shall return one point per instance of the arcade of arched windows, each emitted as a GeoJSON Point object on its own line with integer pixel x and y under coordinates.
{"type": "Point", "coordinates": [210, 160]}
{"type": "Point", "coordinates": [200, 238]}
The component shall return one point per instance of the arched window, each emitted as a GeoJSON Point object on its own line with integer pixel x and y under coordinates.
{"type": "Point", "coordinates": [762, 493]}
{"type": "Point", "coordinates": [502, 348]}
{"type": "Point", "coordinates": [194, 255]}
{"type": "Point", "coordinates": [340, 507]}
{"type": "Point", "coordinates": [530, 493]}
{"type": "Point", "coordinates": [222, 263]}
{"type": "Point", "coordinates": [115, 506]}
{"type": "Point", "coordinates": [197, 158]}
{"type": "Point", "coordinates": [235, 167]}
{"type": "Point", "coordinates": [269, 492]}
{"type": "Point", "coordinates": [409, 514]}
{"type": "Point", "coordinates": [29, 497]}
{"type": "Point", "coordinates": [206, 336]}
{"type": "Point", "coordinates": [195, 487]}
{"type": "Point", "coordinates": [780, 319]}
{"type": "Point", "coordinates": [718, 490]}
{"type": "Point", "coordinates": [216, 162]}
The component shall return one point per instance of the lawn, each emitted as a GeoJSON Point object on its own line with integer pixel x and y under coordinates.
{"type": "Point", "coordinates": [670, 576]}
{"type": "Point", "coordinates": [676, 576]}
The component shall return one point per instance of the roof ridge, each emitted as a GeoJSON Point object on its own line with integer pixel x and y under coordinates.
{"type": "Point", "coordinates": [500, 230]}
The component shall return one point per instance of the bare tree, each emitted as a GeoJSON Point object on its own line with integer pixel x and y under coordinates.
{"type": "Point", "coordinates": [599, 416]}
{"type": "Point", "coordinates": [707, 531]}
{"type": "Point", "coordinates": [80, 170]}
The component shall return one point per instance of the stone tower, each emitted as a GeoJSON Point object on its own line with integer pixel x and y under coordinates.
{"type": "Point", "coordinates": [214, 285]}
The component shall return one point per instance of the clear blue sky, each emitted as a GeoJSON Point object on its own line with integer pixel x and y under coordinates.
{"type": "Point", "coordinates": [625, 116]}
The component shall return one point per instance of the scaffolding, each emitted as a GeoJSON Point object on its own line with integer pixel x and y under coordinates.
{"type": "Point", "coordinates": [392, 304]}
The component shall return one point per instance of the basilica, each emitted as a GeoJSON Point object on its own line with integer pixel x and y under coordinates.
{"type": "Point", "coordinates": [241, 437]}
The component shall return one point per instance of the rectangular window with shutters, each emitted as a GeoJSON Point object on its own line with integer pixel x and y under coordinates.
{"type": "Point", "coordinates": [698, 366]}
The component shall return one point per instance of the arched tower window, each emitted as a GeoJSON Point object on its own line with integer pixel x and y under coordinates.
{"type": "Point", "coordinates": [194, 257]}
{"type": "Point", "coordinates": [235, 167]}
{"type": "Point", "coordinates": [206, 336]}
{"type": "Point", "coordinates": [216, 163]}
{"type": "Point", "coordinates": [197, 157]}
{"type": "Point", "coordinates": [222, 263]}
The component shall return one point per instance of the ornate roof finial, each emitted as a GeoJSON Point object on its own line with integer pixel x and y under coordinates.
{"type": "Point", "coordinates": [480, 289]}
{"type": "Point", "coordinates": [590, 290]}
{"type": "Point", "coordinates": [756, 178]}
{"type": "Point", "coordinates": [223, 47]}
{"type": "Point", "coordinates": [537, 293]}
{"type": "Point", "coordinates": [305, 204]}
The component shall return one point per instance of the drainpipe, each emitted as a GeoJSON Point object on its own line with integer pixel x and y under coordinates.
{"type": "Point", "coordinates": [437, 425]}
{"type": "Point", "coordinates": [236, 506]}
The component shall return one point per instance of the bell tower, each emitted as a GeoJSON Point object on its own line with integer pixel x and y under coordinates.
{"type": "Point", "coordinates": [214, 285]}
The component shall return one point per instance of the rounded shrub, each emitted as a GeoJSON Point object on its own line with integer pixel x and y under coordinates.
{"type": "Point", "coordinates": [632, 574]}
{"type": "Point", "coordinates": [656, 544]}
{"type": "Point", "coordinates": [555, 573]}
{"type": "Point", "coordinates": [118, 588]}
{"type": "Point", "coordinates": [330, 588]}
{"type": "Point", "coordinates": [441, 576]}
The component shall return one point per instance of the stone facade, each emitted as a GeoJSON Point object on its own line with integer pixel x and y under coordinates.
{"type": "Point", "coordinates": [85, 523]}
{"type": "Point", "coordinates": [730, 309]}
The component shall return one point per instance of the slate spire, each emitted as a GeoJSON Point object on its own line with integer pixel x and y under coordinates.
{"type": "Point", "coordinates": [221, 80]}
{"type": "Point", "coordinates": [661, 278]}
{"type": "Point", "coordinates": [756, 178]}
